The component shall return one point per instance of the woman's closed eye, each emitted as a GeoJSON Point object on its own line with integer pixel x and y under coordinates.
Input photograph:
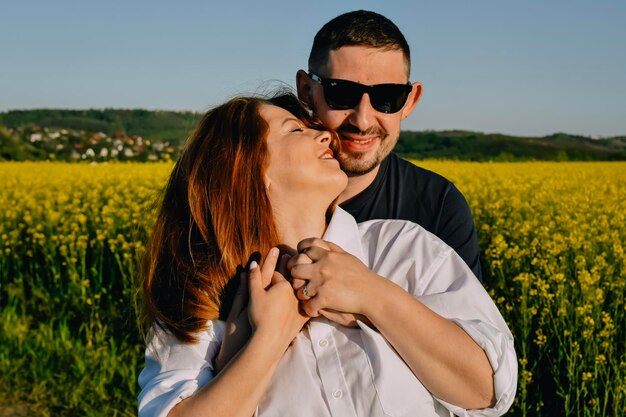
{"type": "Point", "coordinates": [297, 129]}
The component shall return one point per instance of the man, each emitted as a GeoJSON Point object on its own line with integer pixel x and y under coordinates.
{"type": "Point", "coordinates": [349, 53]}
{"type": "Point", "coordinates": [358, 84]}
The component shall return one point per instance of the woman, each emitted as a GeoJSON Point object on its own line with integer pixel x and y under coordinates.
{"type": "Point", "coordinates": [429, 340]}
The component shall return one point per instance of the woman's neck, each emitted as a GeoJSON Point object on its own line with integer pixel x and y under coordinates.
{"type": "Point", "coordinates": [298, 220]}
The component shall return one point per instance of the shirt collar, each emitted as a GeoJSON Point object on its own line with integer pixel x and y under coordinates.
{"type": "Point", "coordinates": [343, 231]}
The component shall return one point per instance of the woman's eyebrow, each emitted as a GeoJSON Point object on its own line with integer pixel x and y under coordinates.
{"type": "Point", "coordinates": [290, 119]}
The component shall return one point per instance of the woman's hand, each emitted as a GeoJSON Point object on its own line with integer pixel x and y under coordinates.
{"type": "Point", "coordinates": [238, 328]}
{"type": "Point", "coordinates": [338, 285]}
{"type": "Point", "coordinates": [275, 320]}
{"type": "Point", "coordinates": [273, 308]}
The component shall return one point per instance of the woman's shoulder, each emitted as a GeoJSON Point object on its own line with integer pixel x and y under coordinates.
{"type": "Point", "coordinates": [163, 346]}
{"type": "Point", "coordinates": [159, 332]}
{"type": "Point", "coordinates": [174, 369]}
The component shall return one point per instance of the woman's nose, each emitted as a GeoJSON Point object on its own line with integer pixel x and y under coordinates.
{"type": "Point", "coordinates": [323, 136]}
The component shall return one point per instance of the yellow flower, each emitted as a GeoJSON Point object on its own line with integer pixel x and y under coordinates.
{"type": "Point", "coordinates": [541, 339]}
{"type": "Point", "coordinates": [526, 377]}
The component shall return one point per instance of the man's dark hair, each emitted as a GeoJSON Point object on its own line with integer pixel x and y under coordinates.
{"type": "Point", "coordinates": [358, 28]}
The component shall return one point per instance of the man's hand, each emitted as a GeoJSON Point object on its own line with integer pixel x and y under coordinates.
{"type": "Point", "coordinates": [339, 317]}
{"type": "Point", "coordinates": [338, 285]}
{"type": "Point", "coordinates": [345, 319]}
{"type": "Point", "coordinates": [238, 328]}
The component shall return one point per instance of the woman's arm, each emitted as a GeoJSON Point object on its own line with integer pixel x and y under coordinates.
{"type": "Point", "coordinates": [276, 320]}
{"type": "Point", "coordinates": [238, 388]}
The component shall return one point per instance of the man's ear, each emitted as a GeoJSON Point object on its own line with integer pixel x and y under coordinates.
{"type": "Point", "coordinates": [411, 101]}
{"type": "Point", "coordinates": [303, 84]}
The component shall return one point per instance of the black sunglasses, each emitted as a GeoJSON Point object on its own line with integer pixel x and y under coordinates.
{"type": "Point", "coordinates": [344, 94]}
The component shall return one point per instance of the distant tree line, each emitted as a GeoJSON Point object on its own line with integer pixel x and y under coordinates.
{"type": "Point", "coordinates": [144, 135]}
{"type": "Point", "coordinates": [474, 146]}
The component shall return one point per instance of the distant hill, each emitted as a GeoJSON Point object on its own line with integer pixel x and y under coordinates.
{"type": "Point", "coordinates": [473, 146]}
{"type": "Point", "coordinates": [144, 135]}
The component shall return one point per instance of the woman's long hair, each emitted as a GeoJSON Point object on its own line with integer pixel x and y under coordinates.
{"type": "Point", "coordinates": [215, 213]}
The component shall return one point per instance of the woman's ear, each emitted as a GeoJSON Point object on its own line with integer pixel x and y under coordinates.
{"type": "Point", "coordinates": [268, 181]}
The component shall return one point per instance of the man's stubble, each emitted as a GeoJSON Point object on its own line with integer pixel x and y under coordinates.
{"type": "Point", "coordinates": [355, 164]}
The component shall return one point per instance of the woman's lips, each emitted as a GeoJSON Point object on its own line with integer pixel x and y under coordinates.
{"type": "Point", "coordinates": [328, 154]}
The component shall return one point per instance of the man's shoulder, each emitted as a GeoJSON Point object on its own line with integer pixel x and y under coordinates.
{"type": "Point", "coordinates": [391, 237]}
{"type": "Point", "coordinates": [418, 184]}
{"type": "Point", "coordinates": [407, 173]}
{"type": "Point", "coordinates": [383, 231]}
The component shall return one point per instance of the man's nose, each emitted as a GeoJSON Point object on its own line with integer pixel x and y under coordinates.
{"type": "Point", "coordinates": [362, 115]}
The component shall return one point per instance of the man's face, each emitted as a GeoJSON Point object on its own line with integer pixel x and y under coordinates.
{"type": "Point", "coordinates": [367, 136]}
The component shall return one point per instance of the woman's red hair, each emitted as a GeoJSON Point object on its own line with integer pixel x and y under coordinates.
{"type": "Point", "coordinates": [215, 213]}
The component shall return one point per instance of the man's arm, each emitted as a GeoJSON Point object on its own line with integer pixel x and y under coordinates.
{"type": "Point", "coordinates": [446, 359]}
{"type": "Point", "coordinates": [455, 226]}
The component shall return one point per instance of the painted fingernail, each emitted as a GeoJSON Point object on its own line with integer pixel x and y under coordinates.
{"type": "Point", "coordinates": [253, 265]}
{"type": "Point", "coordinates": [274, 251]}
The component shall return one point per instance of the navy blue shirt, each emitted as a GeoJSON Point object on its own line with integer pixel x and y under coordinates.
{"type": "Point", "coordinates": [404, 191]}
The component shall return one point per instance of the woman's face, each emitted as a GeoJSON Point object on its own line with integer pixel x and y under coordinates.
{"type": "Point", "coordinates": [300, 159]}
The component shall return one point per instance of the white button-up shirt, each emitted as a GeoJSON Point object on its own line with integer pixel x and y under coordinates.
{"type": "Point", "coordinates": [330, 370]}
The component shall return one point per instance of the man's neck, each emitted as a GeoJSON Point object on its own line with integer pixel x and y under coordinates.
{"type": "Point", "coordinates": [357, 184]}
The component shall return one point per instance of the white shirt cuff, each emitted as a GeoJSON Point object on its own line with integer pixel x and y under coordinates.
{"type": "Point", "coordinates": [501, 354]}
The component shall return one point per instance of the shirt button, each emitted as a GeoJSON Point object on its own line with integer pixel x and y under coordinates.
{"type": "Point", "coordinates": [323, 343]}
{"type": "Point", "coordinates": [338, 394]}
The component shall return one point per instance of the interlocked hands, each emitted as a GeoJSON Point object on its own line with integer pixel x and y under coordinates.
{"type": "Point", "coordinates": [338, 285]}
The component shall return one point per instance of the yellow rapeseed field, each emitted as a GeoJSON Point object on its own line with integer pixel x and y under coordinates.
{"type": "Point", "coordinates": [552, 237]}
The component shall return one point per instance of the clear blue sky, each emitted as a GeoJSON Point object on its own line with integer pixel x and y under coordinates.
{"type": "Point", "coordinates": [525, 67]}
